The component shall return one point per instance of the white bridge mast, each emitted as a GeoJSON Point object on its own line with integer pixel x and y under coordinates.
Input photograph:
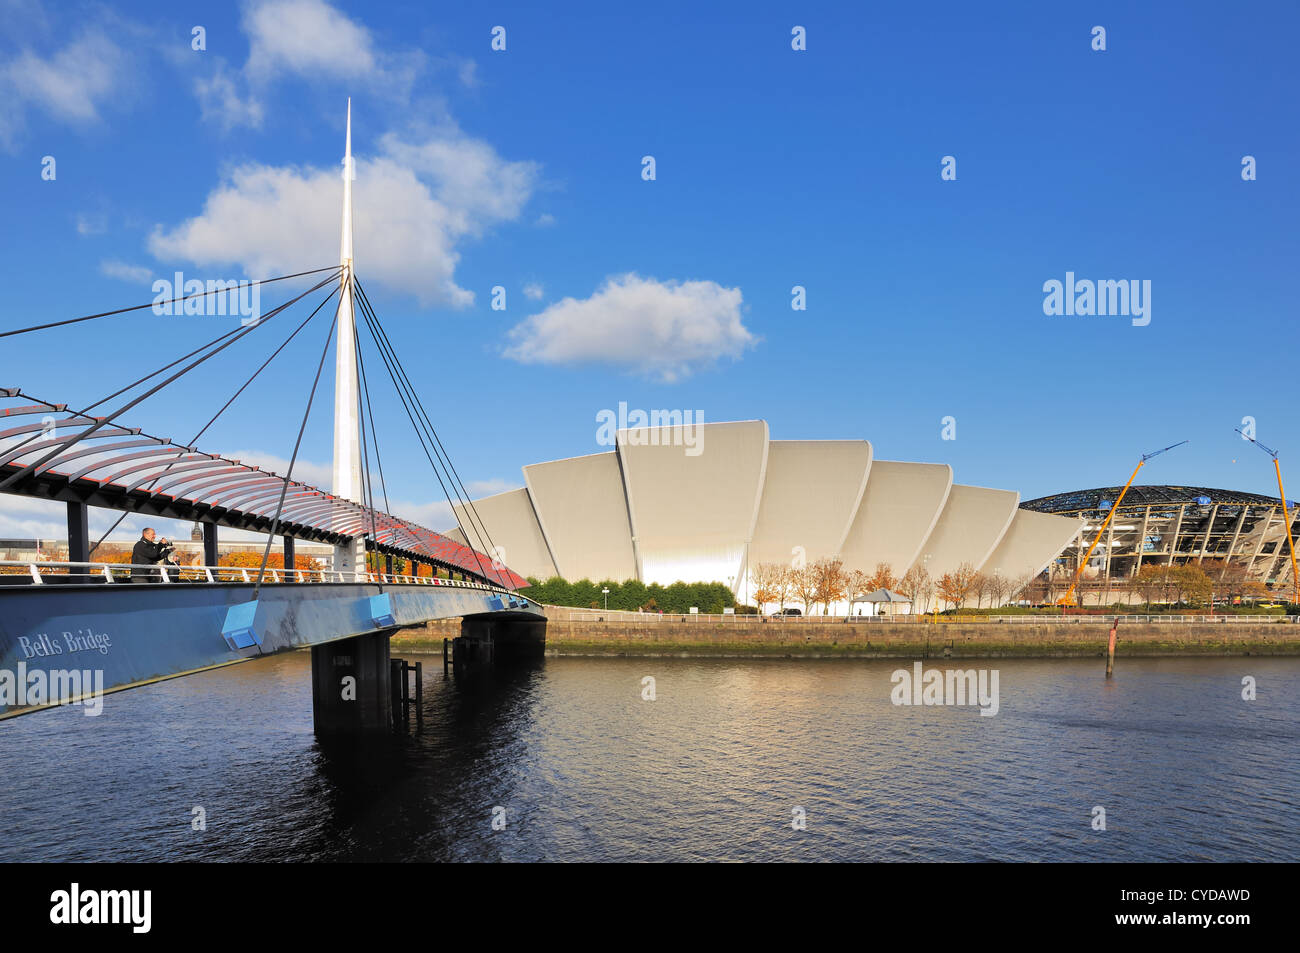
{"type": "Point", "coordinates": [347, 424]}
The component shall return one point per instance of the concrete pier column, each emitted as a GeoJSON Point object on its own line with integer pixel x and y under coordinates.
{"type": "Point", "coordinates": [350, 685]}
{"type": "Point", "coordinates": [78, 533]}
{"type": "Point", "coordinates": [487, 639]}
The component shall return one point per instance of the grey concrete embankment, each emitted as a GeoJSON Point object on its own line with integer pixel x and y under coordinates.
{"type": "Point", "coordinates": [595, 634]}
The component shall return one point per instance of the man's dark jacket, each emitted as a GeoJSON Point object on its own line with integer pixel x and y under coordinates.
{"type": "Point", "coordinates": [146, 553]}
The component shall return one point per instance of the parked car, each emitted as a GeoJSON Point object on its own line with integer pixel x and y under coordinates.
{"type": "Point", "coordinates": [789, 612]}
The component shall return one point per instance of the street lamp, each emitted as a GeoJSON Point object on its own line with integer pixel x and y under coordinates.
{"type": "Point", "coordinates": [926, 566]}
{"type": "Point", "coordinates": [606, 594]}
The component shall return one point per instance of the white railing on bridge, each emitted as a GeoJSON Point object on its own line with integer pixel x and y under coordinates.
{"type": "Point", "coordinates": [53, 572]}
{"type": "Point", "coordinates": [566, 613]}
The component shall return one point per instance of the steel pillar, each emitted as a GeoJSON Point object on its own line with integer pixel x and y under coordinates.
{"type": "Point", "coordinates": [78, 533]}
{"type": "Point", "coordinates": [288, 553]}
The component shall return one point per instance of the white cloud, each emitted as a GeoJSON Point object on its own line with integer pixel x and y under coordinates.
{"type": "Point", "coordinates": [319, 475]}
{"type": "Point", "coordinates": [437, 515]}
{"type": "Point", "coordinates": [221, 103]}
{"type": "Point", "coordinates": [70, 85]}
{"type": "Point", "coordinates": [309, 37]}
{"type": "Point", "coordinates": [545, 220]}
{"type": "Point", "coordinates": [74, 82]}
{"type": "Point", "coordinates": [477, 489]}
{"type": "Point", "coordinates": [664, 329]}
{"type": "Point", "coordinates": [412, 205]}
{"type": "Point", "coordinates": [25, 518]}
{"type": "Point", "coordinates": [136, 274]}
{"type": "Point", "coordinates": [88, 225]}
{"type": "Point", "coordinates": [534, 291]}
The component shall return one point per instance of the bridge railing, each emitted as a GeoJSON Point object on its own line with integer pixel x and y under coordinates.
{"type": "Point", "coordinates": [565, 613]}
{"type": "Point", "coordinates": [42, 573]}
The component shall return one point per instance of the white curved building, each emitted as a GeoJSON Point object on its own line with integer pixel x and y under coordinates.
{"type": "Point", "coordinates": [661, 508]}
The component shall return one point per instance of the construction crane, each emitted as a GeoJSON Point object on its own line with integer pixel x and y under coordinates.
{"type": "Point", "coordinates": [1068, 598]}
{"type": "Point", "coordinates": [1286, 516]}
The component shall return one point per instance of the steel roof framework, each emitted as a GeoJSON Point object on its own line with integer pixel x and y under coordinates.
{"type": "Point", "coordinates": [204, 487]}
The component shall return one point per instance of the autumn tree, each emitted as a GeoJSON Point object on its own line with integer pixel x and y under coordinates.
{"type": "Point", "coordinates": [947, 588]}
{"type": "Point", "coordinates": [1148, 582]}
{"type": "Point", "coordinates": [882, 578]}
{"type": "Point", "coordinates": [1189, 584]}
{"type": "Point", "coordinates": [830, 581]}
{"type": "Point", "coordinates": [1255, 590]}
{"type": "Point", "coordinates": [963, 580]}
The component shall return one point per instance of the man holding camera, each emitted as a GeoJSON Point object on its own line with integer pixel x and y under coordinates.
{"type": "Point", "coordinates": [148, 552]}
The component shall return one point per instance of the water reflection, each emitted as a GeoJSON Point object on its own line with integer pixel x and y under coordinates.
{"type": "Point", "coordinates": [711, 769]}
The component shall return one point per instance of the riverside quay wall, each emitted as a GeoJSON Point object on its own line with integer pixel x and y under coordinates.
{"type": "Point", "coordinates": [591, 632]}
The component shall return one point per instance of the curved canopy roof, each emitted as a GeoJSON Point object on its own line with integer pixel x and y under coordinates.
{"type": "Point", "coordinates": [104, 463]}
{"type": "Point", "coordinates": [1140, 496]}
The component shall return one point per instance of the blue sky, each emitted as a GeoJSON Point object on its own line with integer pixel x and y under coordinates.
{"type": "Point", "coordinates": [522, 169]}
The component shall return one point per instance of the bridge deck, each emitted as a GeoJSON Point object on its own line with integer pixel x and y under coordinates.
{"type": "Point", "coordinates": [119, 636]}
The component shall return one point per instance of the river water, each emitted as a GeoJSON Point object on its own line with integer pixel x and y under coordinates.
{"type": "Point", "coordinates": [580, 766]}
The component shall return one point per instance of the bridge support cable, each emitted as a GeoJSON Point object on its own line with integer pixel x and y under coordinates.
{"type": "Point", "coordinates": [402, 386]}
{"type": "Point", "coordinates": [151, 304]}
{"type": "Point", "coordinates": [85, 411]}
{"type": "Point", "coordinates": [104, 421]}
{"type": "Point", "coordinates": [471, 512]}
{"type": "Point", "coordinates": [224, 408]}
{"type": "Point", "coordinates": [165, 367]}
{"type": "Point", "coordinates": [101, 421]}
{"type": "Point", "coordinates": [367, 480]}
{"type": "Point", "coordinates": [401, 394]}
{"type": "Point", "coordinates": [374, 435]}
{"type": "Point", "coordinates": [284, 490]}
{"type": "Point", "coordinates": [453, 476]}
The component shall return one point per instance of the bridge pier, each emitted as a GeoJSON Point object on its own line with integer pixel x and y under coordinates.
{"type": "Point", "coordinates": [350, 685]}
{"type": "Point", "coordinates": [491, 640]}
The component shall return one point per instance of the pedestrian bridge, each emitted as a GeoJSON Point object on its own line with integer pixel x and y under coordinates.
{"type": "Point", "coordinates": [84, 617]}
{"type": "Point", "coordinates": [57, 618]}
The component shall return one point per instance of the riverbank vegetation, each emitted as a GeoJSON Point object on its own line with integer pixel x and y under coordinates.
{"type": "Point", "coordinates": [633, 596]}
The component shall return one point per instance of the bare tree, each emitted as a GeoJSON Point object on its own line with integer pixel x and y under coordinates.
{"type": "Point", "coordinates": [859, 585]}
{"type": "Point", "coordinates": [919, 586]}
{"type": "Point", "coordinates": [767, 583]}
{"type": "Point", "coordinates": [997, 589]}
{"type": "Point", "coordinates": [803, 585]}
{"type": "Point", "coordinates": [1022, 587]}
